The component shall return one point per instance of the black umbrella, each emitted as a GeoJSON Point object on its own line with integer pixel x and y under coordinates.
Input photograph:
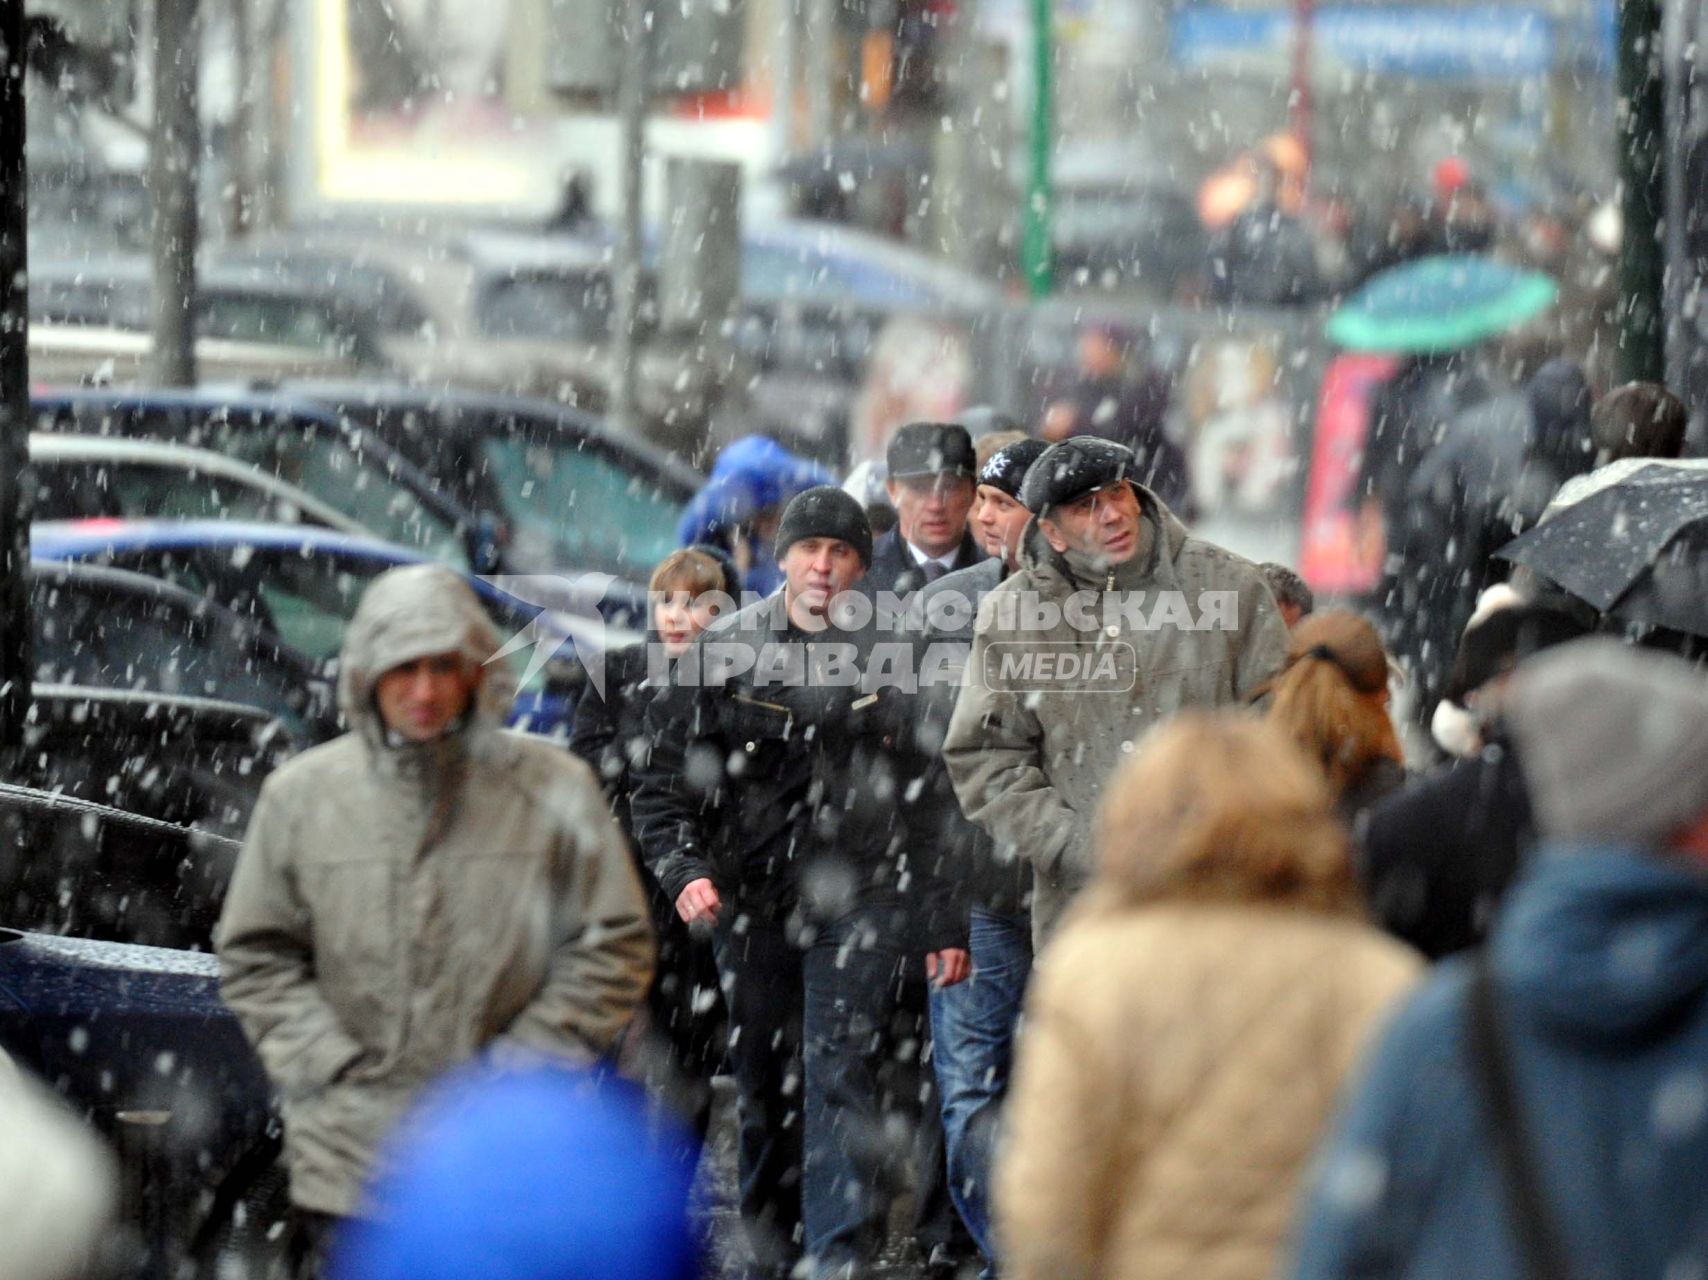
{"type": "Point", "coordinates": [1636, 550]}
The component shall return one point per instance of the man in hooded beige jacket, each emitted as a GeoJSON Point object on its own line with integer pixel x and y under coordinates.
{"type": "Point", "coordinates": [423, 889]}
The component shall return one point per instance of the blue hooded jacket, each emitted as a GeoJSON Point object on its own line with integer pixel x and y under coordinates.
{"type": "Point", "coordinates": [1601, 970]}
{"type": "Point", "coordinates": [751, 474]}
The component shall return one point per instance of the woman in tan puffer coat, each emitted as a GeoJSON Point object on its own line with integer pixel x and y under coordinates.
{"type": "Point", "coordinates": [1188, 1031]}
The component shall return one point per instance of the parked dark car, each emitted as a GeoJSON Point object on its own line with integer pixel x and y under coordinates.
{"type": "Point", "coordinates": [299, 587]}
{"type": "Point", "coordinates": [572, 493]}
{"type": "Point", "coordinates": [301, 443]}
{"type": "Point", "coordinates": [135, 1039]}
{"type": "Point", "coordinates": [105, 627]}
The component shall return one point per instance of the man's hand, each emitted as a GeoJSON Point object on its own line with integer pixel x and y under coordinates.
{"type": "Point", "coordinates": [699, 902]}
{"type": "Point", "coordinates": [947, 967]}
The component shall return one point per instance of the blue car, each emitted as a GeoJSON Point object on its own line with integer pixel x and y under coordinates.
{"type": "Point", "coordinates": [302, 585]}
{"type": "Point", "coordinates": [135, 1038]}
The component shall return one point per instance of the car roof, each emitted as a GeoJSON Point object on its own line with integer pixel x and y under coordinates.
{"type": "Point", "coordinates": [52, 446]}
{"type": "Point", "coordinates": [56, 539]}
{"type": "Point", "coordinates": [354, 396]}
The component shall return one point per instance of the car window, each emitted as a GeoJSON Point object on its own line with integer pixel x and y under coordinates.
{"type": "Point", "coordinates": [311, 599]}
{"type": "Point", "coordinates": [144, 490]}
{"type": "Point", "coordinates": [89, 635]}
{"type": "Point", "coordinates": [575, 508]}
{"type": "Point", "coordinates": [570, 306]}
{"type": "Point", "coordinates": [324, 464]}
{"type": "Point", "coordinates": [291, 322]}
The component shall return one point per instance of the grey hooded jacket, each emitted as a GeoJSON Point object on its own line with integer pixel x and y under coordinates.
{"type": "Point", "coordinates": [1031, 747]}
{"type": "Point", "coordinates": [398, 909]}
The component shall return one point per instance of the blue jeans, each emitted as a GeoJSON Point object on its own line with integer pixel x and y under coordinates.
{"type": "Point", "coordinates": [972, 1028]}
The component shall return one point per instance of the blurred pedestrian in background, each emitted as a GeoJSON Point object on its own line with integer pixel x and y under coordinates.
{"type": "Point", "coordinates": [536, 1174]}
{"type": "Point", "coordinates": [1331, 700]}
{"type": "Point", "coordinates": [738, 507]}
{"type": "Point", "coordinates": [1540, 1108]}
{"type": "Point", "coordinates": [1438, 857]}
{"type": "Point", "coordinates": [57, 1185]}
{"type": "Point", "coordinates": [1125, 399]}
{"type": "Point", "coordinates": [1188, 1030]}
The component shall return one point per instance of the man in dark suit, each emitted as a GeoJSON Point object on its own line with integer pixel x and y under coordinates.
{"type": "Point", "coordinates": [931, 468]}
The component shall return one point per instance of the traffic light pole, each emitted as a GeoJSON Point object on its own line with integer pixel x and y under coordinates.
{"type": "Point", "coordinates": [1035, 242]}
{"type": "Point", "coordinates": [1642, 178]}
{"type": "Point", "coordinates": [15, 628]}
{"type": "Point", "coordinates": [632, 92]}
{"type": "Point", "coordinates": [174, 163]}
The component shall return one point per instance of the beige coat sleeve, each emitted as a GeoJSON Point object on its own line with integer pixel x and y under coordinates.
{"type": "Point", "coordinates": [1057, 1169]}
{"type": "Point", "coordinates": [994, 754]}
{"type": "Point", "coordinates": [603, 953]}
{"type": "Point", "coordinates": [266, 962]}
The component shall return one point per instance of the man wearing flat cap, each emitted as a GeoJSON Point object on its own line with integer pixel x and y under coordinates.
{"type": "Point", "coordinates": [1116, 619]}
{"type": "Point", "coordinates": [931, 485]}
{"type": "Point", "coordinates": [774, 811]}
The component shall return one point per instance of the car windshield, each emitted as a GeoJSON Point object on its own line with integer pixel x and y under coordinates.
{"type": "Point", "coordinates": [572, 507]}
{"type": "Point", "coordinates": [566, 306]}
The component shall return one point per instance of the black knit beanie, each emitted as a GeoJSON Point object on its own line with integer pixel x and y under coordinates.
{"type": "Point", "coordinates": [825, 512]}
{"type": "Point", "coordinates": [1007, 467]}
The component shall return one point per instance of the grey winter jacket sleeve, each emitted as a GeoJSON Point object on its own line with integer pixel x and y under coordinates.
{"type": "Point", "coordinates": [994, 754]}
{"type": "Point", "coordinates": [602, 953]}
{"type": "Point", "coordinates": [266, 963]}
{"type": "Point", "coordinates": [1263, 639]}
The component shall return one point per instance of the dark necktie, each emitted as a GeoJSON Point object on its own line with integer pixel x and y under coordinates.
{"type": "Point", "coordinates": [934, 569]}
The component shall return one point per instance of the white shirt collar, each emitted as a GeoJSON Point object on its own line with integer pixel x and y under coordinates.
{"type": "Point", "coordinates": [921, 559]}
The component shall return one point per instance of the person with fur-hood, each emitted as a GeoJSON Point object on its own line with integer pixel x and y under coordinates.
{"type": "Point", "coordinates": [1188, 1029]}
{"type": "Point", "coordinates": [422, 890]}
{"type": "Point", "coordinates": [1117, 619]}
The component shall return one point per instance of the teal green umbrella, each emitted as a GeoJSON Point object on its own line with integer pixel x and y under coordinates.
{"type": "Point", "coordinates": [1438, 304]}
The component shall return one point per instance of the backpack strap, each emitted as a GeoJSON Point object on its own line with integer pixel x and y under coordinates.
{"type": "Point", "coordinates": [1541, 1247]}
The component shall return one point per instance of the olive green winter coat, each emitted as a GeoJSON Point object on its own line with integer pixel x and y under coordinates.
{"type": "Point", "coordinates": [398, 909]}
{"type": "Point", "coordinates": [1029, 749]}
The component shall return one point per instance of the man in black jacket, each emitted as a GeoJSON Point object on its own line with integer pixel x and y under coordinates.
{"type": "Point", "coordinates": [931, 466]}
{"type": "Point", "coordinates": [774, 809]}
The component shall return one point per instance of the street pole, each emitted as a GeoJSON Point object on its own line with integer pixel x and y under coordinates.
{"type": "Point", "coordinates": [783, 77]}
{"type": "Point", "coordinates": [1305, 17]}
{"type": "Point", "coordinates": [15, 658]}
{"type": "Point", "coordinates": [1642, 178]}
{"type": "Point", "coordinates": [174, 155]}
{"type": "Point", "coordinates": [822, 71]}
{"type": "Point", "coordinates": [1035, 242]}
{"type": "Point", "coordinates": [632, 90]}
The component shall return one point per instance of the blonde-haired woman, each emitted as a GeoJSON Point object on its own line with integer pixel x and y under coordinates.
{"type": "Point", "coordinates": [1189, 1028]}
{"type": "Point", "coordinates": [1331, 699]}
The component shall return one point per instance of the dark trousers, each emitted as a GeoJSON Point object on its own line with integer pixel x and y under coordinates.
{"type": "Point", "coordinates": [761, 973]}
{"type": "Point", "coordinates": [312, 1236]}
{"type": "Point", "coordinates": [872, 1110]}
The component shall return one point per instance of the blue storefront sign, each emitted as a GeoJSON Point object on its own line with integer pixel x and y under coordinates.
{"type": "Point", "coordinates": [1479, 42]}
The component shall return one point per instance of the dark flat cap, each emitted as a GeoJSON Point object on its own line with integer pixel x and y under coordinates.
{"type": "Point", "coordinates": [1072, 469]}
{"type": "Point", "coordinates": [931, 449]}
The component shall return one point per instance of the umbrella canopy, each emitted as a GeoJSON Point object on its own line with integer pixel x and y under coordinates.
{"type": "Point", "coordinates": [1637, 549]}
{"type": "Point", "coordinates": [1439, 304]}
